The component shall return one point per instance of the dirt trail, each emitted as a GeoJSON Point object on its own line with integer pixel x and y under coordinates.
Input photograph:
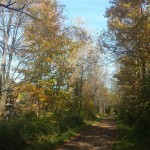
{"type": "Point", "coordinates": [100, 136]}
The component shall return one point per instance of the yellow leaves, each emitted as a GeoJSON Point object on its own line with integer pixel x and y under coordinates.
{"type": "Point", "coordinates": [35, 92]}
{"type": "Point", "coordinates": [89, 103]}
{"type": "Point", "coordinates": [42, 30]}
{"type": "Point", "coordinates": [48, 59]}
{"type": "Point", "coordinates": [148, 26]}
{"type": "Point", "coordinates": [127, 5]}
{"type": "Point", "coordinates": [117, 24]}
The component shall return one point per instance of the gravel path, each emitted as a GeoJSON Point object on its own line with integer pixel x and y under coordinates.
{"type": "Point", "coordinates": [100, 136]}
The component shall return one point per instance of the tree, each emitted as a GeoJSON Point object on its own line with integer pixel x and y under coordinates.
{"type": "Point", "coordinates": [129, 26]}
{"type": "Point", "coordinates": [11, 46]}
{"type": "Point", "coordinates": [14, 6]}
{"type": "Point", "coordinates": [48, 59]}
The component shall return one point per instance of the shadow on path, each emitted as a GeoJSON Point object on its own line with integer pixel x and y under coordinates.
{"type": "Point", "coordinates": [100, 136]}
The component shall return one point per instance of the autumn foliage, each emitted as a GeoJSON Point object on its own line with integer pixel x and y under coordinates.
{"type": "Point", "coordinates": [50, 81]}
{"type": "Point", "coordinates": [128, 39]}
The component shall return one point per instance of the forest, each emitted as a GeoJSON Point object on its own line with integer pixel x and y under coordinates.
{"type": "Point", "coordinates": [54, 76]}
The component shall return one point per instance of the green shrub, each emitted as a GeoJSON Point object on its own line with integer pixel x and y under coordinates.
{"type": "Point", "coordinates": [43, 125]}
{"type": "Point", "coordinates": [10, 137]}
{"type": "Point", "coordinates": [32, 132]}
{"type": "Point", "coordinates": [70, 121]}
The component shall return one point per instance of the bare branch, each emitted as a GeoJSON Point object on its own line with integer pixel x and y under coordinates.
{"type": "Point", "coordinates": [15, 9]}
{"type": "Point", "coordinates": [10, 4]}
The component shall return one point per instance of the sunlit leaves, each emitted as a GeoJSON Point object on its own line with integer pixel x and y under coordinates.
{"type": "Point", "coordinates": [129, 24]}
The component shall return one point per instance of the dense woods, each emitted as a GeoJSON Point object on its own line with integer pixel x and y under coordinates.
{"type": "Point", "coordinates": [128, 38]}
{"type": "Point", "coordinates": [53, 76]}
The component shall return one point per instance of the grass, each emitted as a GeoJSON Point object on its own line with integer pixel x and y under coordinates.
{"type": "Point", "coordinates": [52, 141]}
{"type": "Point", "coordinates": [126, 140]}
{"type": "Point", "coordinates": [43, 133]}
{"type": "Point", "coordinates": [91, 122]}
{"type": "Point", "coordinates": [131, 138]}
{"type": "Point", "coordinates": [72, 132]}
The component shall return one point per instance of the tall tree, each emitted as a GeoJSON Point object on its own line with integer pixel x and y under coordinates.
{"type": "Point", "coordinates": [48, 60]}
{"type": "Point", "coordinates": [11, 29]}
{"type": "Point", "coordinates": [129, 25]}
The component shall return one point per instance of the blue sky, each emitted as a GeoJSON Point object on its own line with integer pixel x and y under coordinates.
{"type": "Point", "coordinates": [92, 12]}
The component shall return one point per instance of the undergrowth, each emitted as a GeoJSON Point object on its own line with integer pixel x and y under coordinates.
{"type": "Point", "coordinates": [42, 133]}
{"type": "Point", "coordinates": [128, 137]}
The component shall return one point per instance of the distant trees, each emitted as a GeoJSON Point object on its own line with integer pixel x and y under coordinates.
{"type": "Point", "coordinates": [89, 80]}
